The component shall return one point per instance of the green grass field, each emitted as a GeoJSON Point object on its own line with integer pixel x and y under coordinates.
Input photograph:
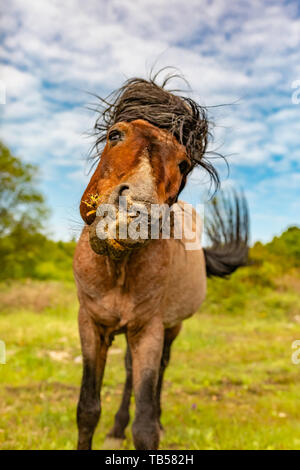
{"type": "Point", "coordinates": [231, 383]}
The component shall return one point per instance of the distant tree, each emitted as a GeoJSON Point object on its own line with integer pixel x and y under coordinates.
{"type": "Point", "coordinates": [22, 215]}
{"type": "Point", "coordinates": [283, 251]}
{"type": "Point", "coordinates": [22, 206]}
{"type": "Point", "coordinates": [24, 250]}
{"type": "Point", "coordinates": [287, 246]}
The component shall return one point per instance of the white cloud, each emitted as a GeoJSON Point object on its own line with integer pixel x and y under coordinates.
{"type": "Point", "coordinates": [18, 83]}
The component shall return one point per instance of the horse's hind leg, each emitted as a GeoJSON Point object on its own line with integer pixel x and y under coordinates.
{"type": "Point", "coordinates": [94, 351]}
{"type": "Point", "coordinates": [122, 415]}
{"type": "Point", "coordinates": [170, 335]}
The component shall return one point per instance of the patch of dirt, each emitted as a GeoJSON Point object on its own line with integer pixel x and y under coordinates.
{"type": "Point", "coordinates": [113, 351]}
{"type": "Point", "coordinates": [60, 356]}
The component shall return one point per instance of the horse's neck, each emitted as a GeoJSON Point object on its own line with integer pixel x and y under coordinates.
{"type": "Point", "coordinates": [117, 268]}
{"type": "Point", "coordinates": [140, 263]}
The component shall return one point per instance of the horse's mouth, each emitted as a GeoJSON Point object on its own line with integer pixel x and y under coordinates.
{"type": "Point", "coordinates": [113, 239]}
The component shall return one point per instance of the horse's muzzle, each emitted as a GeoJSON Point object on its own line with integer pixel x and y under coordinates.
{"type": "Point", "coordinates": [115, 231]}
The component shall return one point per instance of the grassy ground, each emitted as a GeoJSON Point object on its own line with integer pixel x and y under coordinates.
{"type": "Point", "coordinates": [230, 384]}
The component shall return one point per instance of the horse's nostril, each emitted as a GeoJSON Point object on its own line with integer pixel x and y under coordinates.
{"type": "Point", "coordinates": [124, 190]}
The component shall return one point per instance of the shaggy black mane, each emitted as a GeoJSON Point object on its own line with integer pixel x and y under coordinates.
{"type": "Point", "coordinates": [180, 115]}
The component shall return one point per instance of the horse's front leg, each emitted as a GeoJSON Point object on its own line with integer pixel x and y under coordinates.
{"type": "Point", "coordinates": [94, 351]}
{"type": "Point", "coordinates": [146, 346]}
{"type": "Point", "coordinates": [122, 416]}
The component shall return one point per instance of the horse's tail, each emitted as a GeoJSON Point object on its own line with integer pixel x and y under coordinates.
{"type": "Point", "coordinates": [227, 229]}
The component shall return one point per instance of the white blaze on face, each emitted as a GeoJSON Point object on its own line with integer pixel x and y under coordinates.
{"type": "Point", "coordinates": [142, 182]}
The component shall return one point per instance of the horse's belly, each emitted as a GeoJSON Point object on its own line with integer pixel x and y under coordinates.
{"type": "Point", "coordinates": [180, 309]}
{"type": "Point", "coordinates": [186, 289]}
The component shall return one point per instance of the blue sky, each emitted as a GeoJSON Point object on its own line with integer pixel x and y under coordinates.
{"type": "Point", "coordinates": [246, 53]}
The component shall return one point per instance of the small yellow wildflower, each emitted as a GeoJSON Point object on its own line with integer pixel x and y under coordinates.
{"type": "Point", "coordinates": [93, 203]}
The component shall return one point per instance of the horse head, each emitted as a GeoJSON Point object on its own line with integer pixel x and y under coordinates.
{"type": "Point", "coordinates": [148, 141]}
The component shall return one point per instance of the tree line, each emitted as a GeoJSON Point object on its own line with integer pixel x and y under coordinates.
{"type": "Point", "coordinates": [25, 249]}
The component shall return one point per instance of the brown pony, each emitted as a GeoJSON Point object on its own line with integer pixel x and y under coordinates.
{"type": "Point", "coordinates": [145, 288]}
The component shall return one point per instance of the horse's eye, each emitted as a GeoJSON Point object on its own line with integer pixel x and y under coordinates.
{"type": "Point", "coordinates": [183, 166]}
{"type": "Point", "coordinates": [114, 135]}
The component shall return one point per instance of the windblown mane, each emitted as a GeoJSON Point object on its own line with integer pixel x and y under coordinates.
{"type": "Point", "coordinates": [180, 115]}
